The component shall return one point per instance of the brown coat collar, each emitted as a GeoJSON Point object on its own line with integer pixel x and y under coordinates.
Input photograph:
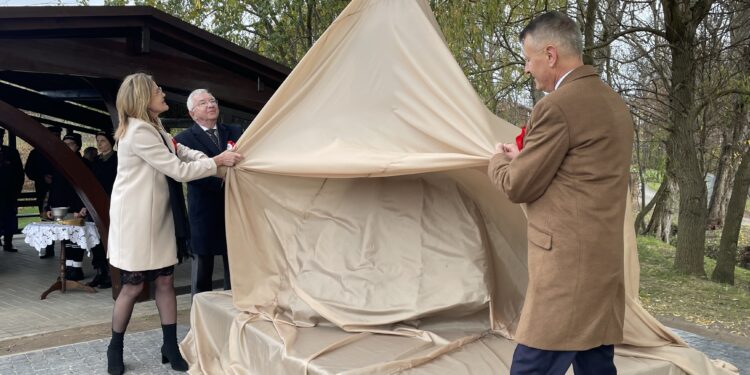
{"type": "Point", "coordinates": [579, 72]}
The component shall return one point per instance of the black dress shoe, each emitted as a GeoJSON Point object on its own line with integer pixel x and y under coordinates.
{"type": "Point", "coordinates": [47, 255]}
{"type": "Point", "coordinates": [96, 281]}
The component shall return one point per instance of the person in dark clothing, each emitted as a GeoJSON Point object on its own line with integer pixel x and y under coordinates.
{"type": "Point", "coordinates": [11, 183]}
{"type": "Point", "coordinates": [62, 194]}
{"type": "Point", "coordinates": [105, 166]}
{"type": "Point", "coordinates": [39, 170]}
{"type": "Point", "coordinates": [206, 195]}
{"type": "Point", "coordinates": [105, 170]}
{"type": "Point", "coordinates": [90, 154]}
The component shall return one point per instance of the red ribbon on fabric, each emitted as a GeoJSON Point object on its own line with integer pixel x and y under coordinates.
{"type": "Point", "coordinates": [230, 145]}
{"type": "Point", "coordinates": [519, 138]}
{"type": "Point", "coordinates": [174, 142]}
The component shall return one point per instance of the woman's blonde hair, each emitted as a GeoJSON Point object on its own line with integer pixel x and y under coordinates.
{"type": "Point", "coordinates": [133, 98]}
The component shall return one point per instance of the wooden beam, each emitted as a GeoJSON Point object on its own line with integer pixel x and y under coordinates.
{"type": "Point", "coordinates": [63, 125]}
{"type": "Point", "coordinates": [108, 91]}
{"type": "Point", "coordinates": [139, 42]}
{"type": "Point", "coordinates": [39, 103]}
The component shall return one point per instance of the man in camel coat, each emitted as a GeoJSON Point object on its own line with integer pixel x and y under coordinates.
{"type": "Point", "coordinates": [572, 173]}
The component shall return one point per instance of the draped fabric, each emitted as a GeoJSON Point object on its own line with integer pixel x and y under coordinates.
{"type": "Point", "coordinates": [361, 220]}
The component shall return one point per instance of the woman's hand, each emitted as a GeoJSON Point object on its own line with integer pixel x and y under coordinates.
{"type": "Point", "coordinates": [227, 159]}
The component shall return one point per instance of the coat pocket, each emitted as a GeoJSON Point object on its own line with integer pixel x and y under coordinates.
{"type": "Point", "coordinates": [539, 238]}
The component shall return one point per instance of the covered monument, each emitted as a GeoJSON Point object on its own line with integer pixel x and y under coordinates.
{"type": "Point", "coordinates": [364, 235]}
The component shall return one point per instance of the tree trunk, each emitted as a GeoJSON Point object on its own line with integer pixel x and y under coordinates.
{"type": "Point", "coordinates": [589, 24]}
{"type": "Point", "coordinates": [681, 23]}
{"type": "Point", "coordinates": [665, 227]}
{"type": "Point", "coordinates": [660, 225]}
{"type": "Point", "coordinates": [727, 257]}
{"type": "Point", "coordinates": [635, 191]}
{"type": "Point", "coordinates": [691, 238]}
{"type": "Point", "coordinates": [715, 216]}
{"type": "Point", "coordinates": [728, 188]}
{"type": "Point", "coordinates": [658, 197]}
{"type": "Point", "coordinates": [731, 144]}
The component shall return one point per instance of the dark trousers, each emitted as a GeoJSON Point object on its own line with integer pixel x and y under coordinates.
{"type": "Point", "coordinates": [72, 251]}
{"type": "Point", "coordinates": [596, 361]}
{"type": "Point", "coordinates": [99, 257]}
{"type": "Point", "coordinates": [8, 224]}
{"type": "Point", "coordinates": [202, 271]}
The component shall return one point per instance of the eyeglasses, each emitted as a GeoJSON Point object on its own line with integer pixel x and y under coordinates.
{"type": "Point", "coordinates": [204, 103]}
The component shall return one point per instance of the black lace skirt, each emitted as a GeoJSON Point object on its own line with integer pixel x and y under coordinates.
{"type": "Point", "coordinates": [137, 277]}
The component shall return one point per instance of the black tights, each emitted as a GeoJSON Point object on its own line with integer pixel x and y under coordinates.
{"type": "Point", "coordinates": [166, 302]}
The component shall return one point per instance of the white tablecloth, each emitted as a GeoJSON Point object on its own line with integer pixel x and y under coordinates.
{"type": "Point", "coordinates": [42, 234]}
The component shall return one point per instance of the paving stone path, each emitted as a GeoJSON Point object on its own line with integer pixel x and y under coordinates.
{"type": "Point", "coordinates": [142, 356]}
{"type": "Point", "coordinates": [733, 354]}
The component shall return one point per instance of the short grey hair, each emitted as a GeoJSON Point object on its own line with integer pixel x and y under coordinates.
{"type": "Point", "coordinates": [190, 104]}
{"type": "Point", "coordinates": [556, 28]}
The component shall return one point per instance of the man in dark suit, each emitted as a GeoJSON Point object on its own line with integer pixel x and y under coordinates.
{"type": "Point", "coordinates": [40, 170]}
{"type": "Point", "coordinates": [11, 183]}
{"type": "Point", "coordinates": [206, 196]}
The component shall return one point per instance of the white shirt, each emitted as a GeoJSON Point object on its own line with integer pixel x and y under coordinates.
{"type": "Point", "coordinates": [205, 129]}
{"type": "Point", "coordinates": [557, 84]}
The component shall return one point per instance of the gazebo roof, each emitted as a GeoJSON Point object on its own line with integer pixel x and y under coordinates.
{"type": "Point", "coordinates": [78, 55]}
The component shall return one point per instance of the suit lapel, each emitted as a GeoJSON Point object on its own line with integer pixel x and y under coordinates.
{"type": "Point", "coordinates": [223, 135]}
{"type": "Point", "coordinates": [204, 140]}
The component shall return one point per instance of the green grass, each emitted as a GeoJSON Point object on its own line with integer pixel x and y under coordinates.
{"type": "Point", "coordinates": [22, 222]}
{"type": "Point", "coordinates": [667, 293]}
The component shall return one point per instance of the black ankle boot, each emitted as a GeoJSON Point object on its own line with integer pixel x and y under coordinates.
{"type": "Point", "coordinates": [170, 352]}
{"type": "Point", "coordinates": [115, 363]}
{"type": "Point", "coordinates": [97, 280]}
{"type": "Point", "coordinates": [8, 245]}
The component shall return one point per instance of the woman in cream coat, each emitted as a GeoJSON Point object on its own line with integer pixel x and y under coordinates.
{"type": "Point", "coordinates": [141, 234]}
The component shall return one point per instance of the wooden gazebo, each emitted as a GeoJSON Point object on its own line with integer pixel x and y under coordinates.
{"type": "Point", "coordinates": [62, 66]}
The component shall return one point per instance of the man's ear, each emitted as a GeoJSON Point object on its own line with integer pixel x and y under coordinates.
{"type": "Point", "coordinates": [551, 53]}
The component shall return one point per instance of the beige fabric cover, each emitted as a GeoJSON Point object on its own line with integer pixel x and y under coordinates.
{"type": "Point", "coordinates": [363, 202]}
{"type": "Point", "coordinates": [225, 341]}
{"type": "Point", "coordinates": [141, 229]}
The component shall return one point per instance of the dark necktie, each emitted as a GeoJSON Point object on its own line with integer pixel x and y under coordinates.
{"type": "Point", "coordinates": [212, 135]}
